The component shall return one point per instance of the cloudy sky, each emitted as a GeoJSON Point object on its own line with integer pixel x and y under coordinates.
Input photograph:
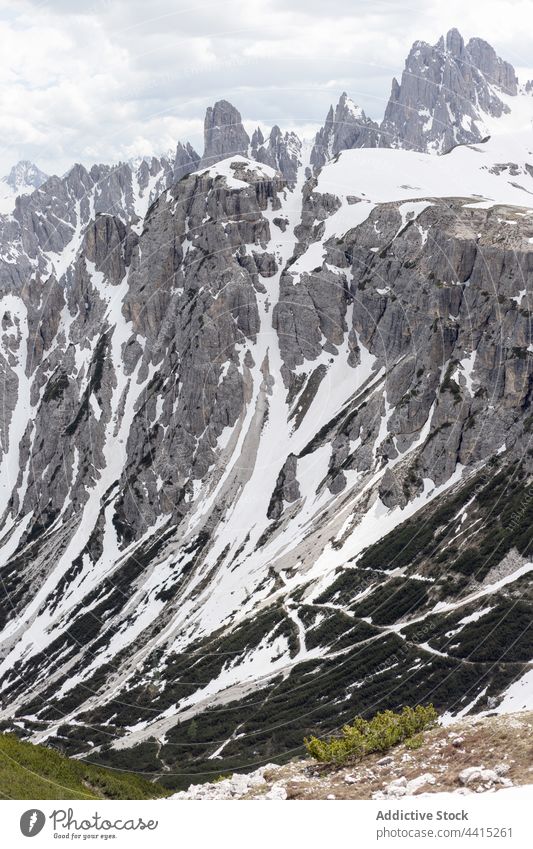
{"type": "Point", "coordinates": [103, 80]}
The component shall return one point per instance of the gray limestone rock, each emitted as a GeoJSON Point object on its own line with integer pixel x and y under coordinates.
{"type": "Point", "coordinates": [445, 91]}
{"type": "Point", "coordinates": [346, 128]}
{"type": "Point", "coordinates": [281, 151]}
{"type": "Point", "coordinates": [224, 134]}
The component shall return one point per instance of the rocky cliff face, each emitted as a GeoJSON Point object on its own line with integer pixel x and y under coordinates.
{"type": "Point", "coordinates": [346, 128]}
{"type": "Point", "coordinates": [264, 443]}
{"type": "Point", "coordinates": [449, 94]}
{"type": "Point", "coordinates": [224, 134]}
{"type": "Point", "coordinates": [282, 151]}
{"type": "Point", "coordinates": [446, 94]}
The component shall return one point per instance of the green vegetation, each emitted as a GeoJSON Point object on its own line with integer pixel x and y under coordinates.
{"type": "Point", "coordinates": [378, 734]}
{"type": "Point", "coordinates": [36, 772]}
{"type": "Point", "coordinates": [397, 598]}
{"type": "Point", "coordinates": [415, 742]}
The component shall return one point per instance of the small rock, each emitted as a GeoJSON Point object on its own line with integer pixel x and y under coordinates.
{"type": "Point", "coordinates": [478, 775]}
{"type": "Point", "coordinates": [384, 761]}
{"type": "Point", "coordinates": [277, 791]}
{"type": "Point", "coordinates": [239, 785]}
{"type": "Point", "coordinates": [502, 769]}
{"type": "Point", "coordinates": [396, 788]}
{"type": "Point", "coordinates": [420, 781]}
{"type": "Point", "coordinates": [399, 782]}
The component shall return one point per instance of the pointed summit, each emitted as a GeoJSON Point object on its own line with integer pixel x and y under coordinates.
{"type": "Point", "coordinates": [185, 160]}
{"type": "Point", "coordinates": [455, 43]}
{"type": "Point", "coordinates": [281, 151]}
{"type": "Point", "coordinates": [25, 176]}
{"type": "Point", "coordinates": [447, 92]}
{"type": "Point", "coordinates": [257, 138]}
{"type": "Point", "coordinates": [224, 134]}
{"type": "Point", "coordinates": [345, 128]}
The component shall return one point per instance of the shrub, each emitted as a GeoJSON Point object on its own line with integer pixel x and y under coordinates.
{"type": "Point", "coordinates": [384, 730]}
{"type": "Point", "coordinates": [414, 742]}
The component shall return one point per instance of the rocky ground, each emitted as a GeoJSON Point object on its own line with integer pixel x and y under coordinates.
{"type": "Point", "coordinates": [474, 755]}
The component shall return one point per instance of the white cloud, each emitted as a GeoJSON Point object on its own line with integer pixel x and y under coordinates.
{"type": "Point", "coordinates": [115, 78]}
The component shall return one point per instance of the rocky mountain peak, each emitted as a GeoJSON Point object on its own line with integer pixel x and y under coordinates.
{"type": "Point", "coordinates": [186, 160]}
{"type": "Point", "coordinates": [224, 134]}
{"type": "Point", "coordinates": [275, 426]}
{"type": "Point", "coordinates": [257, 138]}
{"type": "Point", "coordinates": [453, 43]}
{"type": "Point", "coordinates": [447, 92]}
{"type": "Point", "coordinates": [281, 151]}
{"type": "Point", "coordinates": [25, 175]}
{"type": "Point", "coordinates": [345, 128]}
{"type": "Point", "coordinates": [496, 70]}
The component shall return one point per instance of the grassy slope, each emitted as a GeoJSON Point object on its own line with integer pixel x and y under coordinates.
{"type": "Point", "coordinates": [36, 772]}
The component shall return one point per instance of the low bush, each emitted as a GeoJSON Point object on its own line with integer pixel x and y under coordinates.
{"type": "Point", "coordinates": [415, 742]}
{"type": "Point", "coordinates": [382, 732]}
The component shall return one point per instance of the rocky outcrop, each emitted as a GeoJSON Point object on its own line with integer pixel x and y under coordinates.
{"type": "Point", "coordinates": [281, 151]}
{"type": "Point", "coordinates": [436, 766]}
{"type": "Point", "coordinates": [186, 160]}
{"type": "Point", "coordinates": [224, 134]}
{"type": "Point", "coordinates": [345, 128]}
{"type": "Point", "coordinates": [446, 91]}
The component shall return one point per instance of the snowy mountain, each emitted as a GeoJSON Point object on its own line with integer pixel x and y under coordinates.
{"type": "Point", "coordinates": [25, 176]}
{"type": "Point", "coordinates": [346, 128]}
{"type": "Point", "coordinates": [449, 94]}
{"type": "Point", "coordinates": [265, 439]}
{"type": "Point", "coordinates": [23, 179]}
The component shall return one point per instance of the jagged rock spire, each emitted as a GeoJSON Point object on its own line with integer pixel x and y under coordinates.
{"type": "Point", "coordinates": [346, 128]}
{"type": "Point", "coordinates": [446, 92]}
{"type": "Point", "coordinates": [224, 134]}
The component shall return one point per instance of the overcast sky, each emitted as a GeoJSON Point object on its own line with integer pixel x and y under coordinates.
{"type": "Point", "coordinates": [104, 80]}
